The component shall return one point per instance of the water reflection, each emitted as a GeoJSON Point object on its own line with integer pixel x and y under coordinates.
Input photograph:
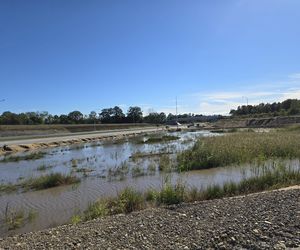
{"type": "Point", "coordinates": [104, 169]}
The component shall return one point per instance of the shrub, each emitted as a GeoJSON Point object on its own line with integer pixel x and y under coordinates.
{"type": "Point", "coordinates": [130, 200]}
{"type": "Point", "coordinates": [171, 194]}
{"type": "Point", "coordinates": [95, 210]}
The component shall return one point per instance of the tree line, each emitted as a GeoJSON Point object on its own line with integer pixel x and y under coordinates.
{"type": "Point", "coordinates": [287, 107]}
{"type": "Point", "coordinates": [135, 115]}
{"type": "Point", "coordinates": [107, 115]}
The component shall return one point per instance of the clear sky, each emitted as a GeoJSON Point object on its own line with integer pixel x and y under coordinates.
{"type": "Point", "coordinates": [60, 56]}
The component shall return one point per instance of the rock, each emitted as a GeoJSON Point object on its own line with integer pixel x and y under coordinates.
{"type": "Point", "coordinates": [279, 246]}
{"type": "Point", "coordinates": [185, 226]}
{"type": "Point", "coordinates": [265, 245]}
{"type": "Point", "coordinates": [267, 222]}
{"type": "Point", "coordinates": [7, 148]}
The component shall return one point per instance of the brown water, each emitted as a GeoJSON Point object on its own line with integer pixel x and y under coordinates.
{"type": "Point", "coordinates": [56, 206]}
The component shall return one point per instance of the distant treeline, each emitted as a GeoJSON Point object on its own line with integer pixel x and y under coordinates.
{"type": "Point", "coordinates": [107, 115]}
{"type": "Point", "coordinates": [287, 107]}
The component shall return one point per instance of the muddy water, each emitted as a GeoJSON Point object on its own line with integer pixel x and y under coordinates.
{"type": "Point", "coordinates": [102, 177]}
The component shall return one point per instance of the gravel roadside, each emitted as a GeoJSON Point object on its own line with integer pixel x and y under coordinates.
{"type": "Point", "coordinates": [268, 220]}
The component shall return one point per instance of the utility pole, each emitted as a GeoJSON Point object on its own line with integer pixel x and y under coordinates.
{"type": "Point", "coordinates": [246, 99]}
{"type": "Point", "coordinates": [176, 114]}
{"type": "Point", "coordinates": [176, 109]}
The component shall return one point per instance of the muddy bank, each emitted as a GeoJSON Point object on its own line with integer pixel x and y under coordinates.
{"type": "Point", "coordinates": [15, 146]}
{"type": "Point", "coordinates": [269, 220]}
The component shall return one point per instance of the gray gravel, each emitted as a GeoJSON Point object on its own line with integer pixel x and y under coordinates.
{"type": "Point", "coordinates": [260, 221]}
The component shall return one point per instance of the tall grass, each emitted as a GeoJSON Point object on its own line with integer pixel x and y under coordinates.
{"type": "Point", "coordinates": [270, 179]}
{"type": "Point", "coordinates": [7, 188]}
{"type": "Point", "coordinates": [127, 201]}
{"type": "Point", "coordinates": [48, 181]}
{"type": "Point", "coordinates": [41, 182]}
{"type": "Point", "coordinates": [32, 156]}
{"type": "Point", "coordinates": [170, 194]}
{"type": "Point", "coordinates": [17, 218]}
{"type": "Point", "coordinates": [130, 200]}
{"type": "Point", "coordinates": [243, 147]}
{"type": "Point", "coordinates": [293, 128]}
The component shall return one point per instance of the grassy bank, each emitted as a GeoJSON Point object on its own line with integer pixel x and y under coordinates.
{"type": "Point", "coordinates": [49, 181]}
{"type": "Point", "coordinates": [27, 157]}
{"type": "Point", "coordinates": [29, 130]}
{"type": "Point", "coordinates": [239, 148]}
{"type": "Point", "coordinates": [272, 179]}
{"type": "Point", "coordinates": [7, 188]}
{"type": "Point", "coordinates": [41, 182]}
{"type": "Point", "coordinates": [130, 200]}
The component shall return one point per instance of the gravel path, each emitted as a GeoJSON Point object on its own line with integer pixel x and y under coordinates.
{"type": "Point", "coordinates": [261, 221]}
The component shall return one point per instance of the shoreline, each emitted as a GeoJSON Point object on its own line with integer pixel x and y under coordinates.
{"type": "Point", "coordinates": [262, 220]}
{"type": "Point", "coordinates": [24, 145]}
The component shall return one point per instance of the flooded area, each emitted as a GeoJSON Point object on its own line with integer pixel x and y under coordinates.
{"type": "Point", "coordinates": [104, 168]}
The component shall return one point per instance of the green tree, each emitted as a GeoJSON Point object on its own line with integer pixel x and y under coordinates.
{"type": "Point", "coordinates": [135, 114]}
{"type": "Point", "coordinates": [92, 116]}
{"type": "Point", "coordinates": [155, 118]}
{"type": "Point", "coordinates": [64, 119]}
{"type": "Point", "coordinates": [34, 118]}
{"type": "Point", "coordinates": [117, 115]}
{"type": "Point", "coordinates": [9, 118]}
{"type": "Point", "coordinates": [75, 116]}
{"type": "Point", "coordinates": [105, 115]}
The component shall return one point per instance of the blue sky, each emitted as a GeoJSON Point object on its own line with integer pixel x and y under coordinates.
{"type": "Point", "coordinates": [61, 56]}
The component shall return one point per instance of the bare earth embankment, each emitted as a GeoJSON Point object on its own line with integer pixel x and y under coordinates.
{"type": "Point", "coordinates": [269, 220]}
{"type": "Point", "coordinates": [44, 129]}
{"type": "Point", "coordinates": [19, 144]}
{"type": "Point", "coordinates": [262, 122]}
